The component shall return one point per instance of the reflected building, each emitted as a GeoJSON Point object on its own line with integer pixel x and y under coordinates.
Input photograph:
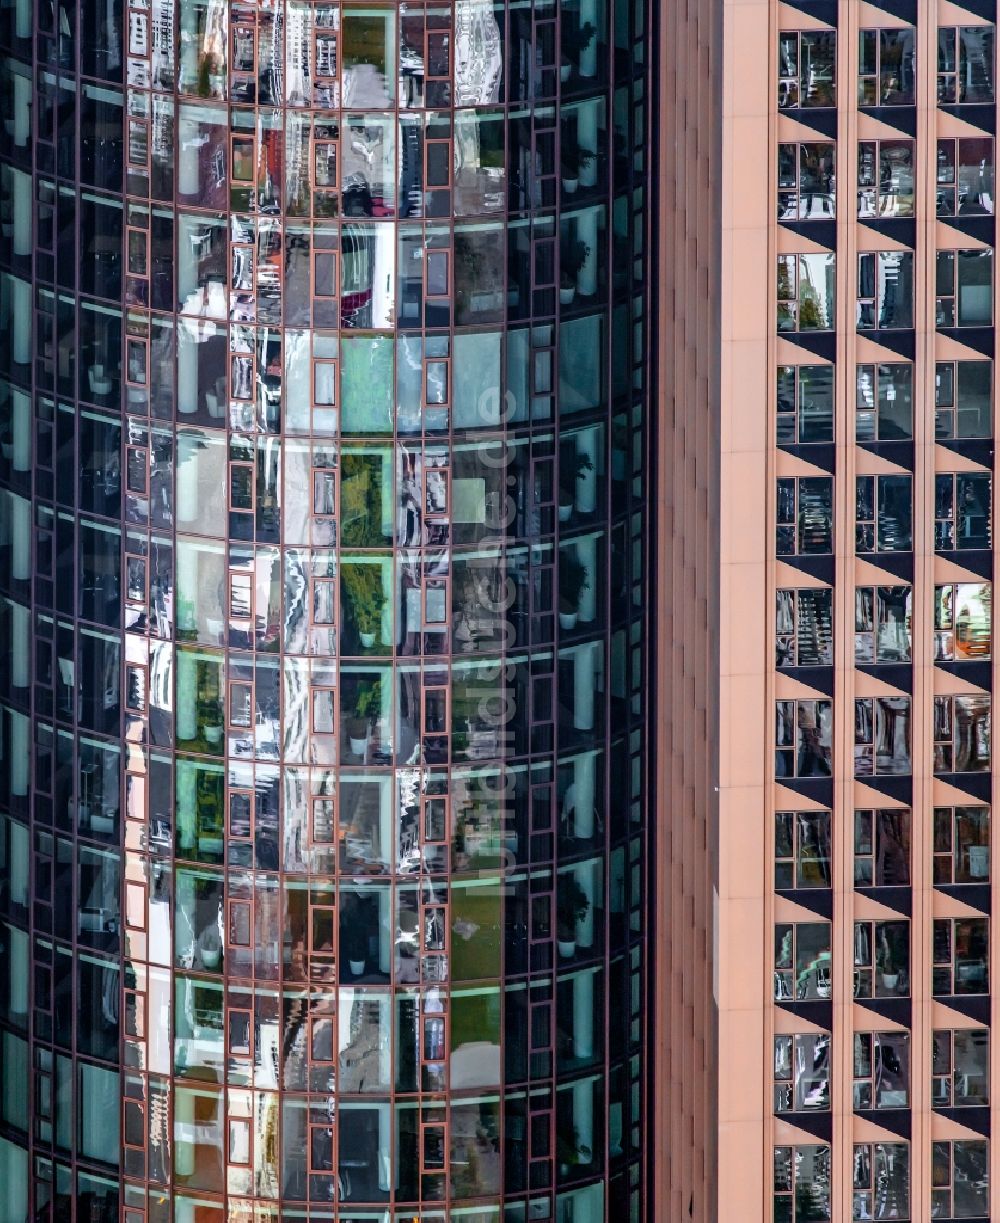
{"type": "Point", "coordinates": [324, 607]}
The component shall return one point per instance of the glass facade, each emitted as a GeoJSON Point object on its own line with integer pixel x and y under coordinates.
{"type": "Point", "coordinates": [323, 610]}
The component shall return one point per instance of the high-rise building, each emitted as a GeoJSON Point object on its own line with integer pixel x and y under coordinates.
{"type": "Point", "coordinates": [855, 952]}
{"type": "Point", "coordinates": [326, 591]}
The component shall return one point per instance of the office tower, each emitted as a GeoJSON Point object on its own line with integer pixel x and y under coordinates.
{"type": "Point", "coordinates": [855, 950]}
{"type": "Point", "coordinates": [325, 612]}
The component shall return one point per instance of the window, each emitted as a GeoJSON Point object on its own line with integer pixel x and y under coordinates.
{"type": "Point", "coordinates": [881, 736]}
{"type": "Point", "coordinates": [806, 292]}
{"type": "Point", "coordinates": [961, 956]}
{"type": "Point", "coordinates": [801, 1183]}
{"type": "Point", "coordinates": [883, 514]}
{"type": "Point", "coordinates": [884, 405]}
{"type": "Point", "coordinates": [806, 189]}
{"type": "Point", "coordinates": [804, 628]}
{"type": "Point", "coordinates": [882, 848]}
{"type": "Point", "coordinates": [882, 1070]}
{"type": "Point", "coordinates": [802, 1073]}
{"type": "Point", "coordinates": [964, 288]}
{"type": "Point", "coordinates": [963, 399]}
{"type": "Point", "coordinates": [805, 404]}
{"type": "Point", "coordinates": [802, 960]}
{"type": "Point", "coordinates": [960, 1180]}
{"type": "Point", "coordinates": [881, 1180]}
{"type": "Point", "coordinates": [804, 516]}
{"type": "Point", "coordinates": [961, 734]}
{"type": "Point", "coordinates": [961, 845]}
{"type": "Point", "coordinates": [885, 290]}
{"type": "Point", "coordinates": [963, 621]}
{"type": "Point", "coordinates": [807, 68]}
{"type": "Point", "coordinates": [965, 173]}
{"type": "Point", "coordinates": [803, 738]}
{"type": "Point", "coordinates": [881, 959]}
{"type": "Point", "coordinates": [961, 1068]}
{"type": "Point", "coordinates": [801, 849]}
{"type": "Point", "coordinates": [965, 64]}
{"type": "Point", "coordinates": [883, 624]}
{"type": "Point", "coordinates": [885, 178]}
{"type": "Point", "coordinates": [962, 511]}
{"type": "Point", "coordinates": [885, 67]}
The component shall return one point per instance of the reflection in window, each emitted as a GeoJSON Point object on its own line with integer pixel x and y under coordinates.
{"type": "Point", "coordinates": [881, 1180]}
{"type": "Point", "coordinates": [884, 404]}
{"type": "Point", "coordinates": [881, 959]}
{"type": "Point", "coordinates": [801, 1184]}
{"type": "Point", "coordinates": [963, 399]}
{"type": "Point", "coordinates": [805, 404]}
{"type": "Point", "coordinates": [804, 628]}
{"type": "Point", "coordinates": [965, 64]}
{"type": "Point", "coordinates": [801, 849]}
{"type": "Point", "coordinates": [961, 956]}
{"type": "Point", "coordinates": [881, 736]}
{"type": "Point", "coordinates": [807, 68]}
{"type": "Point", "coordinates": [806, 292]}
{"type": "Point", "coordinates": [960, 1180]}
{"type": "Point", "coordinates": [802, 1073]}
{"type": "Point", "coordinates": [964, 288]}
{"type": "Point", "coordinates": [961, 1068]}
{"type": "Point", "coordinates": [804, 516]}
{"type": "Point", "coordinates": [885, 178]}
{"type": "Point", "coordinates": [963, 621]}
{"type": "Point", "coordinates": [962, 734]}
{"type": "Point", "coordinates": [882, 847]}
{"type": "Point", "coordinates": [883, 514]}
{"type": "Point", "coordinates": [962, 511]}
{"type": "Point", "coordinates": [881, 1070]}
{"type": "Point", "coordinates": [886, 67]}
{"type": "Point", "coordinates": [803, 738]}
{"type": "Point", "coordinates": [883, 624]}
{"type": "Point", "coordinates": [885, 290]}
{"type": "Point", "coordinates": [806, 183]}
{"type": "Point", "coordinates": [961, 845]}
{"type": "Point", "coordinates": [802, 960]}
{"type": "Point", "coordinates": [965, 177]}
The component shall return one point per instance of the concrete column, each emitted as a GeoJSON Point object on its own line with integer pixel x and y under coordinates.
{"type": "Point", "coordinates": [186, 499]}
{"type": "Point", "coordinates": [22, 213]}
{"type": "Point", "coordinates": [583, 795]}
{"type": "Point", "coordinates": [186, 585]}
{"type": "Point", "coordinates": [587, 232]}
{"type": "Point", "coordinates": [20, 529]}
{"type": "Point", "coordinates": [388, 488]}
{"type": "Point", "coordinates": [588, 444]}
{"type": "Point", "coordinates": [583, 1014]}
{"type": "Point", "coordinates": [184, 908]}
{"type": "Point", "coordinates": [588, 58]}
{"type": "Point", "coordinates": [385, 712]}
{"type": "Point", "coordinates": [585, 873]}
{"type": "Point", "coordinates": [21, 427]}
{"type": "Point", "coordinates": [385, 823]}
{"type": "Point", "coordinates": [583, 686]}
{"type": "Point", "coordinates": [385, 571]}
{"type": "Point", "coordinates": [186, 720]}
{"type": "Point", "coordinates": [586, 551]}
{"type": "Point", "coordinates": [22, 318]}
{"type": "Point", "coordinates": [22, 110]}
{"type": "Point", "coordinates": [384, 1146]}
{"type": "Point", "coordinates": [583, 1114]}
{"type": "Point", "coordinates": [23, 26]}
{"type": "Point", "coordinates": [187, 157]}
{"type": "Point", "coordinates": [587, 117]}
{"type": "Point", "coordinates": [18, 864]}
{"type": "Point", "coordinates": [615, 1128]}
{"type": "Point", "coordinates": [385, 1042]}
{"type": "Point", "coordinates": [20, 670]}
{"type": "Point", "coordinates": [384, 929]}
{"type": "Point", "coordinates": [19, 971]}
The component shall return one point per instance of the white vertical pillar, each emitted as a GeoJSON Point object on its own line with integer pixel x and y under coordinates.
{"type": "Point", "coordinates": [585, 876]}
{"type": "Point", "coordinates": [18, 863]}
{"type": "Point", "coordinates": [21, 428]}
{"type": "Point", "coordinates": [588, 447]}
{"type": "Point", "coordinates": [184, 908]}
{"type": "Point", "coordinates": [20, 529]}
{"type": "Point", "coordinates": [583, 686]}
{"type": "Point", "coordinates": [385, 710]}
{"type": "Point", "coordinates": [22, 18]}
{"type": "Point", "coordinates": [588, 57]}
{"type": "Point", "coordinates": [586, 552]}
{"type": "Point", "coordinates": [186, 585]}
{"type": "Point", "coordinates": [21, 645]}
{"type": "Point", "coordinates": [186, 499]}
{"type": "Point", "coordinates": [384, 929]}
{"type": "Point", "coordinates": [583, 1014]}
{"type": "Point", "coordinates": [587, 232]}
{"type": "Point", "coordinates": [187, 369]}
{"type": "Point", "coordinates": [22, 110]}
{"type": "Point", "coordinates": [587, 116]}
{"type": "Point", "coordinates": [183, 1209]}
{"type": "Point", "coordinates": [583, 795]}
{"type": "Point", "coordinates": [384, 1147]}
{"type": "Point", "coordinates": [583, 1116]}
{"type": "Point", "coordinates": [388, 489]}
{"type": "Point", "coordinates": [186, 722]}
{"type": "Point", "coordinates": [19, 971]}
{"type": "Point", "coordinates": [184, 1159]}
{"type": "Point", "coordinates": [385, 822]}
{"type": "Point", "coordinates": [385, 1042]}
{"type": "Point", "coordinates": [187, 157]}
{"type": "Point", "coordinates": [385, 573]}
{"type": "Point", "coordinates": [20, 753]}
{"type": "Point", "coordinates": [21, 310]}
{"type": "Point", "coordinates": [22, 213]}
{"type": "Point", "coordinates": [615, 1128]}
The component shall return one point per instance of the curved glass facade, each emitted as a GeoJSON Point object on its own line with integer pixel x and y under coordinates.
{"type": "Point", "coordinates": [323, 601]}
